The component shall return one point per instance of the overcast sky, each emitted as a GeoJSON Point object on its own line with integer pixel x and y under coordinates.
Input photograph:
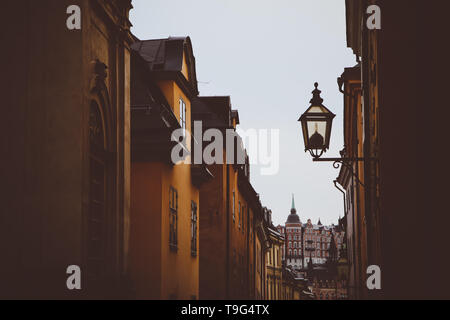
{"type": "Point", "coordinates": [267, 54]}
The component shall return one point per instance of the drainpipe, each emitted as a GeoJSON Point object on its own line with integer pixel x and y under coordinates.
{"type": "Point", "coordinates": [247, 243]}
{"type": "Point", "coordinates": [345, 213]}
{"type": "Point", "coordinates": [365, 69]}
{"type": "Point", "coordinates": [227, 285]}
{"type": "Point", "coordinates": [355, 228]}
{"type": "Point", "coordinates": [343, 193]}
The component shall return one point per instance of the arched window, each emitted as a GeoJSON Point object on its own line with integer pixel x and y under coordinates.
{"type": "Point", "coordinates": [96, 220]}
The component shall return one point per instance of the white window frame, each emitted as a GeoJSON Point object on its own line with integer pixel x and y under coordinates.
{"type": "Point", "coordinates": [182, 107]}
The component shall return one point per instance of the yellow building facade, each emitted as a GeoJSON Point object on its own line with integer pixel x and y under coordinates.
{"type": "Point", "coordinates": [165, 201]}
{"type": "Point", "coordinates": [273, 265]}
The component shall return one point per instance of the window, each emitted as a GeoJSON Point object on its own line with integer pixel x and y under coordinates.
{"type": "Point", "coordinates": [249, 222]}
{"type": "Point", "coordinates": [258, 262]}
{"type": "Point", "coordinates": [173, 218]}
{"type": "Point", "coordinates": [251, 227]}
{"type": "Point", "coordinates": [193, 229]}
{"type": "Point", "coordinates": [233, 209]}
{"type": "Point", "coordinates": [243, 218]}
{"type": "Point", "coordinates": [239, 213]}
{"type": "Point", "coordinates": [183, 116]}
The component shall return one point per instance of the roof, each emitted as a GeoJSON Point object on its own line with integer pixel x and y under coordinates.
{"type": "Point", "coordinates": [214, 112]}
{"type": "Point", "coordinates": [354, 12]}
{"type": "Point", "coordinates": [164, 59]}
{"type": "Point", "coordinates": [235, 115]}
{"type": "Point", "coordinates": [293, 218]}
{"type": "Point", "coordinates": [275, 233]}
{"type": "Point", "coordinates": [149, 107]}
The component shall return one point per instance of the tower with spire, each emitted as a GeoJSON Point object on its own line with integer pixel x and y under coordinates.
{"type": "Point", "coordinates": [308, 244]}
{"type": "Point", "coordinates": [294, 238]}
{"type": "Point", "coordinates": [293, 218]}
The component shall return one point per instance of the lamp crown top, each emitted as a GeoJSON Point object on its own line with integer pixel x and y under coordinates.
{"type": "Point", "coordinates": [316, 99]}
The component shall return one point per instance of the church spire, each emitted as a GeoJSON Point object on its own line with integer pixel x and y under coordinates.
{"type": "Point", "coordinates": [293, 202]}
{"type": "Point", "coordinates": [293, 210]}
{"type": "Point", "coordinates": [293, 217]}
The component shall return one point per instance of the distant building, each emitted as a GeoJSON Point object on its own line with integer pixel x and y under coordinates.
{"type": "Point", "coordinates": [329, 281]}
{"type": "Point", "coordinates": [308, 241]}
{"type": "Point", "coordinates": [292, 250]}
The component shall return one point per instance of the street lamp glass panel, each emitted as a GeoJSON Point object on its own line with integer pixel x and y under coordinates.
{"type": "Point", "coordinates": [317, 109]}
{"type": "Point", "coordinates": [318, 127]}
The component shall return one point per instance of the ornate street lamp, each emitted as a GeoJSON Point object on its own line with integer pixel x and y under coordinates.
{"type": "Point", "coordinates": [316, 125]}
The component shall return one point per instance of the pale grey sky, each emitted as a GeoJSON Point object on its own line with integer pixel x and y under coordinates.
{"type": "Point", "coordinates": [267, 54]}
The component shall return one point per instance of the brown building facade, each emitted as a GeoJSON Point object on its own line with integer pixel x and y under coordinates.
{"type": "Point", "coordinates": [67, 136]}
{"type": "Point", "coordinates": [230, 209]}
{"type": "Point", "coordinates": [395, 180]}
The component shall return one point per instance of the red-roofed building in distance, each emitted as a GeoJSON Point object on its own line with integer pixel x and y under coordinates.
{"type": "Point", "coordinates": [308, 241]}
